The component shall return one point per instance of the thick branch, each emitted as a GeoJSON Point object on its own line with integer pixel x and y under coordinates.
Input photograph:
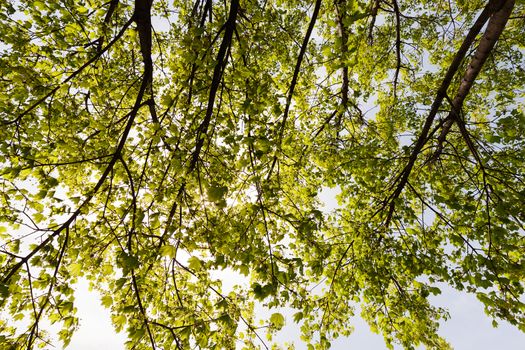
{"type": "Point", "coordinates": [340, 10]}
{"type": "Point", "coordinates": [220, 65]}
{"type": "Point", "coordinates": [398, 45]}
{"type": "Point", "coordinates": [120, 146]}
{"type": "Point", "coordinates": [373, 14]}
{"type": "Point", "coordinates": [494, 29]}
{"type": "Point", "coordinates": [402, 179]}
{"type": "Point", "coordinates": [142, 17]}
{"type": "Point", "coordinates": [91, 194]}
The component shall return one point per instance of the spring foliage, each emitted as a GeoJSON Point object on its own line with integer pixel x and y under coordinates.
{"type": "Point", "coordinates": [147, 144]}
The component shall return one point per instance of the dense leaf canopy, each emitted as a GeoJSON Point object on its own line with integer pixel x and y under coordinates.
{"type": "Point", "coordinates": [157, 147]}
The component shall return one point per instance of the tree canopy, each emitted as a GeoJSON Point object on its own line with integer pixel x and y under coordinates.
{"type": "Point", "coordinates": [147, 145]}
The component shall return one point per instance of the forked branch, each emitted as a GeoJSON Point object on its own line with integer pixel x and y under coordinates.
{"type": "Point", "coordinates": [494, 29]}
{"type": "Point", "coordinates": [400, 182]}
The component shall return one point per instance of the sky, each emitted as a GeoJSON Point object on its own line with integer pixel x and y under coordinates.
{"type": "Point", "coordinates": [468, 329]}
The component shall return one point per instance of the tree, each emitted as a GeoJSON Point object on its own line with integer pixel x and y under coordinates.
{"type": "Point", "coordinates": [146, 145]}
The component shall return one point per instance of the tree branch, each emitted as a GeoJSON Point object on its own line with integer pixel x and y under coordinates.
{"type": "Point", "coordinates": [402, 178]}
{"type": "Point", "coordinates": [494, 29]}
{"type": "Point", "coordinates": [112, 7]}
{"type": "Point", "coordinates": [398, 45]}
{"type": "Point", "coordinates": [72, 76]}
{"type": "Point", "coordinates": [295, 76]}
{"type": "Point", "coordinates": [120, 146]}
{"type": "Point", "coordinates": [218, 71]}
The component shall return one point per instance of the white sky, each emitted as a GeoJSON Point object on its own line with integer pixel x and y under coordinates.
{"type": "Point", "coordinates": [468, 329]}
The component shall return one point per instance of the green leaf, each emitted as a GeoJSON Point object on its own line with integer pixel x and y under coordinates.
{"type": "Point", "coordinates": [4, 291]}
{"type": "Point", "coordinates": [168, 251]}
{"type": "Point", "coordinates": [129, 262]}
{"type": "Point", "coordinates": [75, 269]}
{"type": "Point", "coordinates": [297, 317]}
{"type": "Point", "coordinates": [106, 301]}
{"type": "Point", "coordinates": [39, 5]}
{"type": "Point", "coordinates": [194, 263]}
{"type": "Point", "coordinates": [182, 171]}
{"type": "Point", "coordinates": [216, 194]}
{"type": "Point", "coordinates": [119, 321]}
{"type": "Point", "coordinates": [277, 320]}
